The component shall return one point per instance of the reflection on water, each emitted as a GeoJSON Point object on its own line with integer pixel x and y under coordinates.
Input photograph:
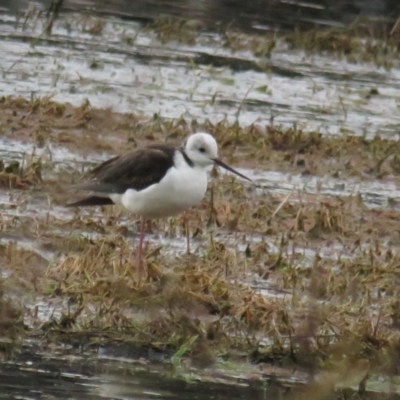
{"type": "Point", "coordinates": [36, 377]}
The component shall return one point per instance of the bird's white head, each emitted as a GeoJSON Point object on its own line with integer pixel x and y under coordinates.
{"type": "Point", "coordinates": [202, 149]}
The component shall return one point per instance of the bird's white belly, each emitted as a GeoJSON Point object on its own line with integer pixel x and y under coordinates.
{"type": "Point", "coordinates": [179, 190]}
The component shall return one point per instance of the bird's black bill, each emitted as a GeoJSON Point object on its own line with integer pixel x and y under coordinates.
{"type": "Point", "coordinates": [227, 167]}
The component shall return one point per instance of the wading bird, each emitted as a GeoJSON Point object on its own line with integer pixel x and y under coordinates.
{"type": "Point", "coordinates": [156, 181]}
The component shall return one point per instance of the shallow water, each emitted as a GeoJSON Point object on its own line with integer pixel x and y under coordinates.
{"type": "Point", "coordinates": [282, 13]}
{"type": "Point", "coordinates": [67, 374]}
{"type": "Point", "coordinates": [74, 377]}
{"type": "Point", "coordinates": [128, 69]}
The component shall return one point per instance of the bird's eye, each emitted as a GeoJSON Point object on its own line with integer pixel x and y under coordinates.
{"type": "Point", "coordinates": [202, 150]}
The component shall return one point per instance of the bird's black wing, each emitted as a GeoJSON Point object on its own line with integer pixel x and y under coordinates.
{"type": "Point", "coordinates": [137, 169]}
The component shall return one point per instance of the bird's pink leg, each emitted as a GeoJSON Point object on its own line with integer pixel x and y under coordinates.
{"type": "Point", "coordinates": [186, 222]}
{"type": "Point", "coordinates": [140, 250]}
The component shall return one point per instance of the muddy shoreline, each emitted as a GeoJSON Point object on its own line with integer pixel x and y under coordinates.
{"type": "Point", "coordinates": [295, 277]}
{"type": "Point", "coordinates": [289, 262]}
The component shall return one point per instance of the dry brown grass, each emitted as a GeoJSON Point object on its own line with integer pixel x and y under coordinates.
{"type": "Point", "coordinates": [85, 130]}
{"type": "Point", "coordinates": [367, 39]}
{"type": "Point", "coordinates": [340, 312]}
{"type": "Point", "coordinates": [168, 28]}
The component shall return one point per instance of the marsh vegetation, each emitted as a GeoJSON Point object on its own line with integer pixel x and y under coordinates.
{"type": "Point", "coordinates": [298, 272]}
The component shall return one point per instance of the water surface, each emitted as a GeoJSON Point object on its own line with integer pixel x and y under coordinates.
{"type": "Point", "coordinates": [127, 68]}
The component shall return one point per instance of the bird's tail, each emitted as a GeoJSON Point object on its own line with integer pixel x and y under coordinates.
{"type": "Point", "coordinates": [91, 201]}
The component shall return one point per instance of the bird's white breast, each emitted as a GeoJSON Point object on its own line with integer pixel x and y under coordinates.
{"type": "Point", "coordinates": [182, 187]}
